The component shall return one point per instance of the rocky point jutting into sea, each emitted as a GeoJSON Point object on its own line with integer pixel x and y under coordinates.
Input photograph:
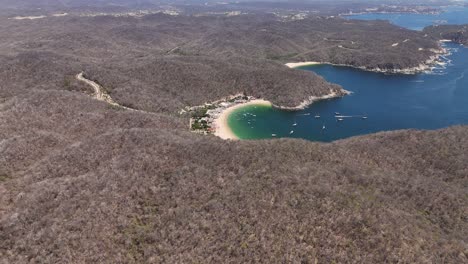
{"type": "Point", "coordinates": [423, 67]}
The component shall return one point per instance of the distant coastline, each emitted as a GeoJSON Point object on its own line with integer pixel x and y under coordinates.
{"type": "Point", "coordinates": [424, 67]}
{"type": "Point", "coordinates": [393, 10]}
{"type": "Point", "coordinates": [414, 12]}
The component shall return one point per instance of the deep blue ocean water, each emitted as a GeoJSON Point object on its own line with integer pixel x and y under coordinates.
{"type": "Point", "coordinates": [390, 102]}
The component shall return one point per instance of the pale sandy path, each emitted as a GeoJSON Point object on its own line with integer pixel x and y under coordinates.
{"type": "Point", "coordinates": [100, 95]}
{"type": "Point", "coordinates": [98, 91]}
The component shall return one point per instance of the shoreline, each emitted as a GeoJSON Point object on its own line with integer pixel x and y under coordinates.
{"type": "Point", "coordinates": [223, 130]}
{"type": "Point", "coordinates": [294, 65]}
{"type": "Point", "coordinates": [313, 99]}
{"type": "Point", "coordinates": [425, 67]}
{"type": "Point", "coordinates": [217, 120]}
{"type": "Point", "coordinates": [213, 118]}
{"type": "Point", "coordinates": [221, 125]}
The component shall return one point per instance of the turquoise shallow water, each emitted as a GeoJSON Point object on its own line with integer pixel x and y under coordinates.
{"type": "Point", "coordinates": [451, 15]}
{"type": "Point", "coordinates": [390, 102]}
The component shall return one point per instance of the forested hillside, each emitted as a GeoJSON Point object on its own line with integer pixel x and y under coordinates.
{"type": "Point", "coordinates": [83, 181]}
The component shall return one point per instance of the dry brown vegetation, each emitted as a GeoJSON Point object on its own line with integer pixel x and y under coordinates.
{"type": "Point", "coordinates": [455, 33]}
{"type": "Point", "coordinates": [83, 182]}
{"type": "Point", "coordinates": [200, 59]}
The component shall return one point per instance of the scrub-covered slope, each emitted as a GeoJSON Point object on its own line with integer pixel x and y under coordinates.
{"type": "Point", "coordinates": [162, 63]}
{"type": "Point", "coordinates": [455, 33]}
{"type": "Point", "coordinates": [83, 181]}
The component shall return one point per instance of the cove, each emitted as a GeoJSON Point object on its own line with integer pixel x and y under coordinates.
{"type": "Point", "coordinates": [390, 102]}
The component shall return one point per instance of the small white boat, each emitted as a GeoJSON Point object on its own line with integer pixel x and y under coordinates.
{"type": "Point", "coordinates": [336, 113]}
{"type": "Point", "coordinates": [364, 117]}
{"type": "Point", "coordinates": [308, 114]}
{"type": "Point", "coordinates": [292, 132]}
{"type": "Point", "coordinates": [323, 128]}
{"type": "Point", "coordinates": [340, 119]}
{"type": "Point", "coordinates": [273, 135]}
{"type": "Point", "coordinates": [295, 124]}
{"type": "Point", "coordinates": [317, 116]}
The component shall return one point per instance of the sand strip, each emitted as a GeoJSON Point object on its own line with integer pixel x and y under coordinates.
{"type": "Point", "coordinates": [28, 17]}
{"type": "Point", "coordinates": [300, 64]}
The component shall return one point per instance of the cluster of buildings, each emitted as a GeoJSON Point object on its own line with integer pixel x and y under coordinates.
{"type": "Point", "coordinates": [203, 118]}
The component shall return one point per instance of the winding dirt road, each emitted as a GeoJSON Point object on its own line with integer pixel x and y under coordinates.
{"type": "Point", "coordinates": [99, 93]}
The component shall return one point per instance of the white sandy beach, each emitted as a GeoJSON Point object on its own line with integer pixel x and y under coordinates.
{"type": "Point", "coordinates": [28, 17]}
{"type": "Point", "coordinates": [222, 128]}
{"type": "Point", "coordinates": [300, 64]}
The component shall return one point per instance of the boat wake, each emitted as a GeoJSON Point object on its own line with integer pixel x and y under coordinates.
{"type": "Point", "coordinates": [459, 78]}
